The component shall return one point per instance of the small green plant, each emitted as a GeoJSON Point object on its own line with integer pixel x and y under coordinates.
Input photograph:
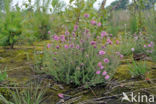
{"type": "Point", "coordinates": [138, 69]}
{"type": "Point", "coordinates": [3, 75]}
{"type": "Point", "coordinates": [30, 95]}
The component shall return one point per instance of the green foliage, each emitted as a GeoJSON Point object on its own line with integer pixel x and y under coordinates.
{"type": "Point", "coordinates": [32, 95]}
{"type": "Point", "coordinates": [150, 23]}
{"type": "Point", "coordinates": [120, 4]}
{"type": "Point", "coordinates": [3, 75]}
{"type": "Point", "coordinates": [41, 25]}
{"type": "Point", "coordinates": [11, 25]}
{"type": "Point", "coordinates": [154, 54]}
{"type": "Point", "coordinates": [114, 30]}
{"type": "Point", "coordinates": [57, 6]}
{"type": "Point", "coordinates": [138, 69]}
{"type": "Point", "coordinates": [1, 4]}
{"type": "Point", "coordinates": [127, 42]}
{"type": "Point", "coordinates": [133, 25]}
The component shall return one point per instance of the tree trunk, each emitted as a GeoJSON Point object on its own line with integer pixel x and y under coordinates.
{"type": "Point", "coordinates": [103, 5]}
{"type": "Point", "coordinates": [12, 46]}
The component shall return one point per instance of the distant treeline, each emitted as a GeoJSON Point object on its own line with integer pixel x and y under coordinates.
{"type": "Point", "coordinates": [123, 4]}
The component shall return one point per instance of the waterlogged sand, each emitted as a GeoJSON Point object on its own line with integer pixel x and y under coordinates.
{"type": "Point", "coordinates": [19, 63]}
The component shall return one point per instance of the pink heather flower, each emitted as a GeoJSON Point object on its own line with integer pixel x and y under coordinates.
{"type": "Point", "coordinates": [67, 33]}
{"type": "Point", "coordinates": [118, 53]}
{"type": "Point", "coordinates": [82, 64]}
{"type": "Point", "coordinates": [74, 35]}
{"type": "Point", "coordinates": [98, 37]}
{"type": "Point", "coordinates": [54, 59]}
{"type": "Point", "coordinates": [136, 38]}
{"type": "Point", "coordinates": [121, 56]}
{"type": "Point", "coordinates": [109, 41]}
{"type": "Point", "coordinates": [71, 45]}
{"type": "Point", "coordinates": [99, 24]}
{"type": "Point", "coordinates": [57, 47]}
{"type": "Point", "coordinates": [87, 55]}
{"type": "Point", "coordinates": [82, 41]}
{"type": "Point", "coordinates": [93, 22]}
{"type": "Point", "coordinates": [93, 42]}
{"type": "Point", "coordinates": [48, 45]}
{"type": "Point", "coordinates": [152, 44]}
{"type": "Point", "coordinates": [117, 41]}
{"type": "Point", "coordinates": [82, 49]}
{"type": "Point", "coordinates": [132, 49]}
{"type": "Point", "coordinates": [106, 60]}
{"type": "Point", "coordinates": [145, 46]}
{"type": "Point", "coordinates": [102, 52]}
{"type": "Point", "coordinates": [107, 77]}
{"type": "Point", "coordinates": [55, 37]}
{"type": "Point", "coordinates": [103, 47]}
{"type": "Point", "coordinates": [111, 35]}
{"type": "Point", "coordinates": [150, 51]}
{"type": "Point", "coordinates": [101, 67]}
{"type": "Point", "coordinates": [88, 35]}
{"type": "Point", "coordinates": [99, 64]}
{"type": "Point", "coordinates": [55, 53]}
{"type": "Point", "coordinates": [149, 45]}
{"type": "Point", "coordinates": [61, 95]}
{"type": "Point", "coordinates": [66, 46]}
{"type": "Point", "coordinates": [103, 34]}
{"type": "Point", "coordinates": [95, 46]}
{"type": "Point", "coordinates": [104, 73]}
{"type": "Point", "coordinates": [86, 30]}
{"type": "Point", "coordinates": [62, 38]}
{"type": "Point", "coordinates": [98, 72]}
{"type": "Point", "coordinates": [77, 46]}
{"type": "Point", "coordinates": [49, 32]}
{"type": "Point", "coordinates": [75, 27]}
{"type": "Point", "coordinates": [86, 15]}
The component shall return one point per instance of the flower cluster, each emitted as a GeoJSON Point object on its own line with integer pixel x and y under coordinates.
{"type": "Point", "coordinates": [149, 47]}
{"type": "Point", "coordinates": [101, 67]}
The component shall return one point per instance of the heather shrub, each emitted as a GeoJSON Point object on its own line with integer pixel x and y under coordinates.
{"type": "Point", "coordinates": [150, 22]}
{"type": "Point", "coordinates": [136, 43]}
{"type": "Point", "coordinates": [80, 59]}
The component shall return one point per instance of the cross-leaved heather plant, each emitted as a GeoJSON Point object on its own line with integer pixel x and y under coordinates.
{"type": "Point", "coordinates": [80, 60]}
{"type": "Point", "coordinates": [150, 22]}
{"type": "Point", "coordinates": [137, 43]}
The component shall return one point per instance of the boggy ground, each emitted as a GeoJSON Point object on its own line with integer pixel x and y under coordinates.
{"type": "Point", "coordinates": [19, 63]}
